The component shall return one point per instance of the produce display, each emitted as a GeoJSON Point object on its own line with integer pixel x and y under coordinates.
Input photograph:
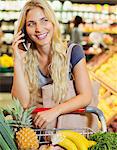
{"type": "Point", "coordinates": [112, 125]}
{"type": "Point", "coordinates": [107, 72]}
{"type": "Point", "coordinates": [98, 28]}
{"type": "Point", "coordinates": [107, 101]}
{"type": "Point", "coordinates": [6, 61]}
{"type": "Point", "coordinates": [108, 105]}
{"type": "Point", "coordinates": [103, 69]}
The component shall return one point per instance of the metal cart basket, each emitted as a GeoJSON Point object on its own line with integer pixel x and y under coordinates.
{"type": "Point", "coordinates": [46, 133]}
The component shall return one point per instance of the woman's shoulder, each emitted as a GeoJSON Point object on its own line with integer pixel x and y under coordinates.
{"type": "Point", "coordinates": [77, 53]}
{"type": "Point", "coordinates": [76, 47]}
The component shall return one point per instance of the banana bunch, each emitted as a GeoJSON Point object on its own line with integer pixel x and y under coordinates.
{"type": "Point", "coordinates": [71, 140]}
{"type": "Point", "coordinates": [6, 61]}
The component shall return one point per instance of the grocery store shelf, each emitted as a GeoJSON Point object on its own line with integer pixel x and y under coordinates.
{"type": "Point", "coordinates": [8, 31]}
{"type": "Point", "coordinates": [110, 2]}
{"type": "Point", "coordinates": [6, 80]}
{"type": "Point", "coordinates": [6, 74]}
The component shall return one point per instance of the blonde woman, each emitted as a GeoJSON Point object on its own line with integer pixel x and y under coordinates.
{"type": "Point", "coordinates": [45, 62]}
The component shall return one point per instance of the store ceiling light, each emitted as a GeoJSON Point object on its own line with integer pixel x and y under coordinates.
{"type": "Point", "coordinates": [57, 5]}
{"type": "Point", "coordinates": [67, 5]}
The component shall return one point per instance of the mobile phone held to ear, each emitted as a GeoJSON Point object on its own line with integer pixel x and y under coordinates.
{"type": "Point", "coordinates": [23, 45]}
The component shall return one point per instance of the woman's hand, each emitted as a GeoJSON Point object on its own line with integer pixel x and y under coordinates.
{"type": "Point", "coordinates": [42, 119]}
{"type": "Point", "coordinates": [18, 53]}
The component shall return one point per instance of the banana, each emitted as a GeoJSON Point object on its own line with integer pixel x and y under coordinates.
{"type": "Point", "coordinates": [79, 140]}
{"type": "Point", "coordinates": [67, 144]}
{"type": "Point", "coordinates": [63, 142]}
{"type": "Point", "coordinates": [91, 143]}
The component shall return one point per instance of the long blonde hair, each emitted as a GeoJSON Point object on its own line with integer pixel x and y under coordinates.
{"type": "Point", "coordinates": [59, 58]}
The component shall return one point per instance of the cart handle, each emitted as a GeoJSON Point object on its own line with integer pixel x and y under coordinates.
{"type": "Point", "coordinates": [88, 109]}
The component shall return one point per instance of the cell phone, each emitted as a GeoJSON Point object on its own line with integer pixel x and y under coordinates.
{"type": "Point", "coordinates": [23, 45]}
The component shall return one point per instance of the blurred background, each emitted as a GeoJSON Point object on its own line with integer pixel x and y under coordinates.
{"type": "Point", "coordinates": [99, 40]}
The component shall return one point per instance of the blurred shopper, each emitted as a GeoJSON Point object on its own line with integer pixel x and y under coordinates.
{"type": "Point", "coordinates": [45, 63]}
{"type": "Point", "coordinates": [76, 34]}
{"type": "Point", "coordinates": [68, 29]}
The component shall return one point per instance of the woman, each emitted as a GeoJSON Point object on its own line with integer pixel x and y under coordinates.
{"type": "Point", "coordinates": [46, 62]}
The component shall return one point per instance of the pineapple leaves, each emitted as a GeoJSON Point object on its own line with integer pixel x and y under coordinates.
{"type": "Point", "coordinates": [20, 116]}
{"type": "Point", "coordinates": [26, 117]}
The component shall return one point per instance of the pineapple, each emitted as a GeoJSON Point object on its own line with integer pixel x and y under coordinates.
{"type": "Point", "coordinates": [26, 137]}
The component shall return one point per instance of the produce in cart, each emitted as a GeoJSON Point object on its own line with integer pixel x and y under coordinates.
{"type": "Point", "coordinates": [105, 141]}
{"type": "Point", "coordinates": [6, 135]}
{"type": "Point", "coordinates": [25, 136]}
{"type": "Point", "coordinates": [71, 140]}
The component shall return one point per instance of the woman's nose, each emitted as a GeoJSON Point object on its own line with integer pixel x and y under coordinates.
{"type": "Point", "coordinates": [38, 27]}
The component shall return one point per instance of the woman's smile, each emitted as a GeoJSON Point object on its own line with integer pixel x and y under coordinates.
{"type": "Point", "coordinates": [42, 36]}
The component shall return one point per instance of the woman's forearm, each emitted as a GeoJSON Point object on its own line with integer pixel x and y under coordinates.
{"type": "Point", "coordinates": [19, 87]}
{"type": "Point", "coordinates": [79, 101]}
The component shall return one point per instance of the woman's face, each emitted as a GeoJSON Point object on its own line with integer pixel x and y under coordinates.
{"type": "Point", "coordinates": [38, 27]}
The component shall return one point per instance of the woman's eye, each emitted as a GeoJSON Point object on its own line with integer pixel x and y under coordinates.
{"type": "Point", "coordinates": [44, 20]}
{"type": "Point", "coordinates": [31, 24]}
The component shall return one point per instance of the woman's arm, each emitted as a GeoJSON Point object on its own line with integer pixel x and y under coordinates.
{"type": "Point", "coordinates": [19, 87]}
{"type": "Point", "coordinates": [83, 98]}
{"type": "Point", "coordinates": [83, 89]}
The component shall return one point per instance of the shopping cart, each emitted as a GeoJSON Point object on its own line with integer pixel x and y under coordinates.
{"type": "Point", "coordinates": [44, 135]}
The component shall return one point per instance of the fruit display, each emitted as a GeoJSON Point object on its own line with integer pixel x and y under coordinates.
{"type": "Point", "coordinates": [102, 91]}
{"type": "Point", "coordinates": [6, 61]}
{"type": "Point", "coordinates": [108, 105]}
{"type": "Point", "coordinates": [107, 72]}
{"type": "Point", "coordinates": [107, 99]}
{"type": "Point", "coordinates": [97, 28]}
{"type": "Point", "coordinates": [112, 125]}
{"type": "Point", "coordinates": [108, 39]}
{"type": "Point", "coordinates": [98, 60]}
{"type": "Point", "coordinates": [104, 68]}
